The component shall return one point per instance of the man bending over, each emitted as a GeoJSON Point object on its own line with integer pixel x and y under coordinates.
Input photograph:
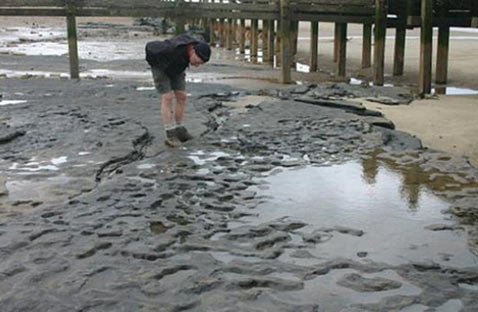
{"type": "Point", "coordinates": [168, 60]}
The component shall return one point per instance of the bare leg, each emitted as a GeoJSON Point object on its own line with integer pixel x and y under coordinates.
{"type": "Point", "coordinates": [167, 109]}
{"type": "Point", "coordinates": [179, 107]}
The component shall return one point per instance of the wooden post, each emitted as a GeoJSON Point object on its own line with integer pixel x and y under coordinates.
{"type": "Point", "coordinates": [265, 41]}
{"type": "Point", "coordinates": [443, 47]}
{"type": "Point", "coordinates": [212, 33]}
{"type": "Point", "coordinates": [400, 40]}
{"type": "Point", "coordinates": [270, 39]}
{"type": "Point", "coordinates": [234, 31]}
{"type": "Point", "coordinates": [367, 46]}
{"type": "Point", "coordinates": [73, 46]}
{"type": "Point", "coordinates": [229, 34]}
{"type": "Point", "coordinates": [285, 41]}
{"type": "Point", "coordinates": [295, 36]}
{"type": "Point", "coordinates": [341, 50]}
{"type": "Point", "coordinates": [442, 55]}
{"type": "Point", "coordinates": [399, 57]}
{"type": "Point", "coordinates": [242, 37]}
{"type": "Point", "coordinates": [336, 41]}
{"type": "Point", "coordinates": [222, 32]}
{"type": "Point", "coordinates": [314, 38]}
{"type": "Point", "coordinates": [180, 21]}
{"type": "Point", "coordinates": [254, 43]}
{"type": "Point", "coordinates": [426, 41]}
{"type": "Point", "coordinates": [278, 45]}
{"type": "Point", "coordinates": [379, 47]}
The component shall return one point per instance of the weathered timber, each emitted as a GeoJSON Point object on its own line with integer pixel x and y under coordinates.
{"type": "Point", "coordinates": [222, 33]}
{"type": "Point", "coordinates": [336, 41]}
{"type": "Point", "coordinates": [426, 40]}
{"type": "Point", "coordinates": [295, 36]}
{"type": "Point", "coordinates": [254, 39]}
{"type": "Point", "coordinates": [265, 42]}
{"type": "Point", "coordinates": [73, 47]}
{"type": "Point", "coordinates": [270, 39]}
{"type": "Point", "coordinates": [285, 41]}
{"type": "Point", "coordinates": [229, 35]}
{"type": "Point", "coordinates": [314, 41]}
{"type": "Point", "coordinates": [212, 33]}
{"type": "Point", "coordinates": [367, 46]}
{"type": "Point", "coordinates": [441, 75]}
{"type": "Point", "coordinates": [400, 39]}
{"type": "Point", "coordinates": [242, 36]}
{"type": "Point", "coordinates": [442, 55]}
{"type": "Point", "coordinates": [379, 47]}
{"type": "Point", "coordinates": [340, 70]}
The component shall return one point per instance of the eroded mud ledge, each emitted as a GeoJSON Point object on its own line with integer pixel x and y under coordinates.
{"type": "Point", "coordinates": [98, 215]}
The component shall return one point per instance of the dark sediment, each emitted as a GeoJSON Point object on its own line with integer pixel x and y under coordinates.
{"type": "Point", "coordinates": [133, 225]}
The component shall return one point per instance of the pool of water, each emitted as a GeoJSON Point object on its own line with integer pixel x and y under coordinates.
{"type": "Point", "coordinates": [392, 208]}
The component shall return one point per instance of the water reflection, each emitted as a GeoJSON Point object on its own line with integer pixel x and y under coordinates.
{"type": "Point", "coordinates": [414, 178]}
{"type": "Point", "coordinates": [391, 203]}
{"type": "Point", "coordinates": [454, 91]}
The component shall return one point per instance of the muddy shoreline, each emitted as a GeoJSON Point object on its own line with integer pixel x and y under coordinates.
{"type": "Point", "coordinates": [96, 214]}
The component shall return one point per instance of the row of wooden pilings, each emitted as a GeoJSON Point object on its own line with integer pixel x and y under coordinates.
{"type": "Point", "coordinates": [282, 51]}
{"type": "Point", "coordinates": [278, 52]}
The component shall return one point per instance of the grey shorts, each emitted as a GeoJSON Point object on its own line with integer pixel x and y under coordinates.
{"type": "Point", "coordinates": [165, 84]}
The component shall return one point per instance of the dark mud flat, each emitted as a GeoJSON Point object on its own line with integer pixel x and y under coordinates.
{"type": "Point", "coordinates": [257, 213]}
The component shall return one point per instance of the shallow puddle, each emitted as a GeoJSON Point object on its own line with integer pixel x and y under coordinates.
{"type": "Point", "coordinates": [11, 102]}
{"type": "Point", "coordinates": [454, 91]}
{"type": "Point", "coordinates": [392, 208]}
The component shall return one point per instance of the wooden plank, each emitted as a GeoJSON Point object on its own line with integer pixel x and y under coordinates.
{"type": "Point", "coordinates": [234, 15]}
{"type": "Point", "coordinates": [367, 46]}
{"type": "Point", "coordinates": [314, 41]}
{"type": "Point", "coordinates": [73, 47]}
{"type": "Point", "coordinates": [426, 40]}
{"type": "Point", "coordinates": [379, 46]}
{"type": "Point", "coordinates": [333, 18]}
{"type": "Point", "coordinates": [442, 55]}
{"type": "Point", "coordinates": [340, 69]}
{"type": "Point", "coordinates": [33, 3]}
{"type": "Point", "coordinates": [333, 9]}
{"type": "Point", "coordinates": [86, 12]}
{"type": "Point", "coordinates": [336, 2]}
{"type": "Point", "coordinates": [285, 42]}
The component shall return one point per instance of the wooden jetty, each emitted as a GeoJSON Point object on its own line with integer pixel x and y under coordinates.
{"type": "Point", "coordinates": [280, 18]}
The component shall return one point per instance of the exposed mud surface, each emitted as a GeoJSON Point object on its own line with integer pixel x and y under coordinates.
{"type": "Point", "coordinates": [304, 202]}
{"type": "Point", "coordinates": [98, 215]}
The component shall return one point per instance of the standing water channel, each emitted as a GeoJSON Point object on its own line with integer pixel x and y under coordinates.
{"type": "Point", "coordinates": [365, 213]}
{"type": "Point", "coordinates": [374, 212]}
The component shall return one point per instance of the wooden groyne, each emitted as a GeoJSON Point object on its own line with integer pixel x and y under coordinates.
{"type": "Point", "coordinates": [280, 18]}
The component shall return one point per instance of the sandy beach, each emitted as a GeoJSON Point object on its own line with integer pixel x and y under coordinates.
{"type": "Point", "coordinates": [446, 122]}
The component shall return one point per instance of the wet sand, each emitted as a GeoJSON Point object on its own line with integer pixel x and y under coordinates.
{"type": "Point", "coordinates": [445, 123]}
{"type": "Point", "coordinates": [448, 123]}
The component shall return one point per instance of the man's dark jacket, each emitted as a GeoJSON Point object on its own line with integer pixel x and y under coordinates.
{"type": "Point", "coordinates": [170, 55]}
